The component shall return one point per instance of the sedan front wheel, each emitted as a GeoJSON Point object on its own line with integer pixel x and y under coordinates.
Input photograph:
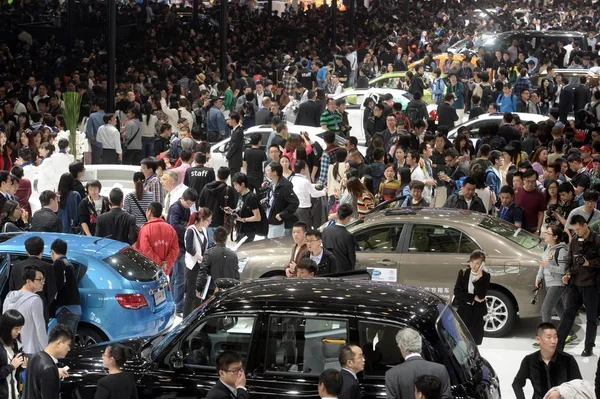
{"type": "Point", "coordinates": [501, 314]}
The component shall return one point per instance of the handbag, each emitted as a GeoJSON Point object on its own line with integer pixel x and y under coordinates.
{"type": "Point", "coordinates": [74, 229]}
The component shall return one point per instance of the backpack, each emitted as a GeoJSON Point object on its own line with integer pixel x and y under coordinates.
{"type": "Point", "coordinates": [412, 114]}
{"type": "Point", "coordinates": [593, 110]}
{"type": "Point", "coordinates": [487, 97]}
{"type": "Point", "coordinates": [458, 184]}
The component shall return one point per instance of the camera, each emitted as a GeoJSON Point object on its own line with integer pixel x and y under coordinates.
{"type": "Point", "coordinates": [550, 218]}
{"type": "Point", "coordinates": [233, 216]}
{"type": "Point", "coordinates": [536, 292]}
{"type": "Point", "coordinates": [579, 259]}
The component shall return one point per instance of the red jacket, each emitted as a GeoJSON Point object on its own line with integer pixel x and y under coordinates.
{"type": "Point", "coordinates": [158, 241]}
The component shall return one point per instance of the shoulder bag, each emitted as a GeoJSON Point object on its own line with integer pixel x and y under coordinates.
{"type": "Point", "coordinates": [138, 206]}
{"type": "Point", "coordinates": [75, 229]}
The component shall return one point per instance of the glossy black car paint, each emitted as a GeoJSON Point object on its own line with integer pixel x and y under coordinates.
{"type": "Point", "coordinates": [344, 300]}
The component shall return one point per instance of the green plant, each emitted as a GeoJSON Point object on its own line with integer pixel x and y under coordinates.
{"type": "Point", "coordinates": [70, 110]}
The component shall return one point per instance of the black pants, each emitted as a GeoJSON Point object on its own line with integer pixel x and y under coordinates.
{"type": "Point", "coordinates": [575, 297]}
{"type": "Point", "coordinates": [96, 154]}
{"type": "Point", "coordinates": [132, 157]}
{"type": "Point", "coordinates": [110, 157]}
{"type": "Point", "coordinates": [190, 301]}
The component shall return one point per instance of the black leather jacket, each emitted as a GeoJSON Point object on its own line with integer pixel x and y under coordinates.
{"type": "Point", "coordinates": [42, 380]}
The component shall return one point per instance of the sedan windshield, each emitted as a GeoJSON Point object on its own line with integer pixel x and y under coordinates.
{"type": "Point", "coordinates": [456, 338]}
{"type": "Point", "coordinates": [510, 232]}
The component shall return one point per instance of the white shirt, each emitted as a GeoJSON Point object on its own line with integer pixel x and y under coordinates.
{"type": "Point", "coordinates": [412, 355]}
{"type": "Point", "coordinates": [305, 190]}
{"type": "Point", "coordinates": [416, 173]}
{"type": "Point", "coordinates": [173, 196]}
{"type": "Point", "coordinates": [109, 137]}
{"type": "Point", "coordinates": [317, 258]}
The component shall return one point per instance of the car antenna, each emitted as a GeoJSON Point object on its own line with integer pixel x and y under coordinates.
{"type": "Point", "coordinates": [101, 238]}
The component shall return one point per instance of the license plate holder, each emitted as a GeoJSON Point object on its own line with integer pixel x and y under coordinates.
{"type": "Point", "coordinates": [160, 296]}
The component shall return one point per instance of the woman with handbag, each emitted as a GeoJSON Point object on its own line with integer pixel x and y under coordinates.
{"type": "Point", "coordinates": [92, 206]}
{"type": "Point", "coordinates": [470, 290]}
{"type": "Point", "coordinates": [68, 203]}
{"type": "Point", "coordinates": [137, 201]}
{"type": "Point", "coordinates": [196, 243]}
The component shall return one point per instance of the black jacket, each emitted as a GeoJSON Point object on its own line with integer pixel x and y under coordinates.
{"type": "Point", "coordinates": [42, 380]}
{"type": "Point", "coordinates": [50, 287]}
{"type": "Point", "coordinates": [117, 386]}
{"type": "Point", "coordinates": [327, 265]}
{"type": "Point", "coordinates": [581, 96]}
{"type": "Point", "coordinates": [117, 224]}
{"type": "Point", "coordinates": [471, 311]}
{"type": "Point", "coordinates": [220, 391]}
{"type": "Point", "coordinates": [197, 177]}
{"type": "Point", "coordinates": [458, 201]}
{"type": "Point", "coordinates": [566, 101]}
{"type": "Point", "coordinates": [218, 262]}
{"type": "Point", "coordinates": [87, 211]}
{"type": "Point", "coordinates": [584, 276]}
{"type": "Point", "coordinates": [509, 133]}
{"type": "Point", "coordinates": [446, 115]}
{"type": "Point", "coordinates": [350, 387]}
{"type": "Point", "coordinates": [6, 369]}
{"type": "Point", "coordinates": [563, 368]}
{"type": "Point", "coordinates": [285, 203]}
{"type": "Point", "coordinates": [420, 106]}
{"type": "Point", "coordinates": [47, 221]}
{"type": "Point", "coordinates": [342, 244]}
{"type": "Point", "coordinates": [78, 186]}
{"type": "Point", "coordinates": [68, 289]}
{"type": "Point", "coordinates": [217, 195]}
{"type": "Point", "coordinates": [236, 147]}
{"type": "Point", "coordinates": [309, 114]}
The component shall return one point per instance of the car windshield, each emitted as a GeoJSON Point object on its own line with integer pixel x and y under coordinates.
{"type": "Point", "coordinates": [132, 265]}
{"type": "Point", "coordinates": [456, 338]}
{"type": "Point", "coordinates": [510, 232]}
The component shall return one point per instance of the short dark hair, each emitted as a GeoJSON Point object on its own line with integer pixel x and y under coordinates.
{"type": "Point", "coordinates": [46, 196]}
{"type": "Point", "coordinates": [223, 173]}
{"type": "Point", "coordinates": [29, 273]}
{"type": "Point", "coordinates": [116, 196]}
{"type": "Point", "coordinates": [590, 195]}
{"type": "Point", "coordinates": [302, 225]}
{"type": "Point", "coordinates": [150, 163]}
{"type": "Point", "coordinates": [240, 178]}
{"type": "Point", "coordinates": [429, 386]}
{"type": "Point", "coordinates": [59, 247]}
{"type": "Point", "coordinates": [507, 190]}
{"type": "Point", "coordinates": [579, 220]}
{"type": "Point", "coordinates": [344, 211]}
{"type": "Point", "coordinates": [547, 326]}
{"type": "Point", "coordinates": [566, 187]}
{"type": "Point", "coordinates": [34, 245]}
{"type": "Point", "coordinates": [308, 265]}
{"type": "Point", "coordinates": [530, 173]}
{"type": "Point", "coordinates": [255, 138]}
{"type": "Point", "coordinates": [299, 166]}
{"type": "Point", "coordinates": [220, 235]}
{"type": "Point", "coordinates": [332, 381]}
{"type": "Point", "coordinates": [314, 233]}
{"type": "Point", "coordinates": [277, 168]}
{"type": "Point", "coordinates": [63, 144]}
{"type": "Point", "coordinates": [417, 185]}
{"type": "Point", "coordinates": [200, 158]}
{"type": "Point", "coordinates": [190, 194]}
{"type": "Point", "coordinates": [329, 137]}
{"type": "Point", "coordinates": [494, 156]}
{"type": "Point", "coordinates": [60, 332]}
{"type": "Point", "coordinates": [469, 180]}
{"type": "Point", "coordinates": [226, 358]}
{"type": "Point", "coordinates": [345, 355]}
{"type": "Point", "coordinates": [75, 168]}
{"type": "Point", "coordinates": [155, 209]}
{"type": "Point", "coordinates": [94, 183]}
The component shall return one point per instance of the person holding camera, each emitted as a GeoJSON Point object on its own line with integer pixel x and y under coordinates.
{"type": "Point", "coordinates": [552, 268]}
{"type": "Point", "coordinates": [582, 268]}
{"type": "Point", "coordinates": [470, 290]}
{"type": "Point", "coordinates": [587, 210]}
{"type": "Point", "coordinates": [246, 214]}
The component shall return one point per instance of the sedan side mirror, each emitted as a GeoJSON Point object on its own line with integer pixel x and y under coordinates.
{"type": "Point", "coordinates": [176, 360]}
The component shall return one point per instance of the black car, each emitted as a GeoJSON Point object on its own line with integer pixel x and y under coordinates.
{"type": "Point", "coordinates": [288, 332]}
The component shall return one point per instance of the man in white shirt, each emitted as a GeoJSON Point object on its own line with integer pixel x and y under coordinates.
{"type": "Point", "coordinates": [305, 191]}
{"type": "Point", "coordinates": [110, 139]}
{"type": "Point", "coordinates": [174, 189]}
{"type": "Point", "coordinates": [416, 172]}
{"type": "Point", "coordinates": [330, 384]}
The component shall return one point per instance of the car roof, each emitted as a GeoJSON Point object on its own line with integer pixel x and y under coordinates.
{"type": "Point", "coordinates": [541, 33]}
{"type": "Point", "coordinates": [522, 115]}
{"type": "Point", "coordinates": [395, 301]}
{"type": "Point", "coordinates": [423, 214]}
{"type": "Point", "coordinates": [292, 129]}
{"type": "Point", "coordinates": [77, 244]}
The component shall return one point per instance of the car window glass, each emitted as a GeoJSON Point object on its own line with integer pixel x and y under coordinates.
{"type": "Point", "coordinates": [434, 239]}
{"type": "Point", "coordinates": [379, 238]}
{"type": "Point", "coordinates": [304, 345]}
{"type": "Point", "coordinates": [215, 335]}
{"type": "Point", "coordinates": [378, 343]}
{"type": "Point", "coordinates": [132, 265]}
{"type": "Point", "coordinates": [355, 101]}
{"type": "Point", "coordinates": [467, 245]}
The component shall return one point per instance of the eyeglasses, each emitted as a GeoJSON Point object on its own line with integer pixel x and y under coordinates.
{"type": "Point", "coordinates": [530, 181]}
{"type": "Point", "coordinates": [235, 371]}
{"type": "Point", "coordinates": [312, 240]}
{"type": "Point", "coordinates": [43, 279]}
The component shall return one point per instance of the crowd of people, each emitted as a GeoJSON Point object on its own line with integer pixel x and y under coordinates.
{"type": "Point", "coordinates": [173, 102]}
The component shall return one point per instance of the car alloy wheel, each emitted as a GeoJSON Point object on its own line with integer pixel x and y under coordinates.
{"type": "Point", "coordinates": [500, 315]}
{"type": "Point", "coordinates": [86, 336]}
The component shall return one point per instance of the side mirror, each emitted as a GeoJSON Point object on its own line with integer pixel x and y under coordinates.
{"type": "Point", "coordinates": [176, 360]}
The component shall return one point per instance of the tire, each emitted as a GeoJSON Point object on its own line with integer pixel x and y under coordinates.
{"type": "Point", "coordinates": [87, 336]}
{"type": "Point", "coordinates": [502, 314]}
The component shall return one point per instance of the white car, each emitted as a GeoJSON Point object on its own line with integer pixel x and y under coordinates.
{"type": "Point", "coordinates": [355, 99]}
{"type": "Point", "coordinates": [486, 119]}
{"type": "Point", "coordinates": [218, 151]}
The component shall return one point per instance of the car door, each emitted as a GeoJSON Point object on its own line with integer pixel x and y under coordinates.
{"type": "Point", "coordinates": [378, 250]}
{"type": "Point", "coordinates": [4, 275]}
{"type": "Point", "coordinates": [186, 369]}
{"type": "Point", "coordinates": [432, 255]}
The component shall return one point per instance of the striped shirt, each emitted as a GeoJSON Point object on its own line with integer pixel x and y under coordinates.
{"type": "Point", "coordinates": [332, 121]}
{"type": "Point", "coordinates": [131, 207]}
{"type": "Point", "coordinates": [365, 204]}
{"type": "Point", "coordinates": [388, 189]}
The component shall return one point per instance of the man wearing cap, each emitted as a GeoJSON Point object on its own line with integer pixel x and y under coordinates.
{"type": "Point", "coordinates": [586, 157]}
{"type": "Point", "coordinates": [215, 121]}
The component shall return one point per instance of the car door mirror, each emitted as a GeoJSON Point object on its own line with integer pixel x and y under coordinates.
{"type": "Point", "coordinates": [176, 360]}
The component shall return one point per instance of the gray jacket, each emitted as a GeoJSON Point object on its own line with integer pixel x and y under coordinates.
{"type": "Point", "coordinates": [133, 133]}
{"type": "Point", "coordinates": [30, 305]}
{"type": "Point", "coordinates": [556, 268]}
{"type": "Point", "coordinates": [400, 380]}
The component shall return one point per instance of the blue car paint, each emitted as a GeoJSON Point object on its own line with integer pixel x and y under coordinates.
{"type": "Point", "coordinates": [101, 284]}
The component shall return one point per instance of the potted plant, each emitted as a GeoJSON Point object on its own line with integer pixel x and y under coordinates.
{"type": "Point", "coordinates": [70, 110]}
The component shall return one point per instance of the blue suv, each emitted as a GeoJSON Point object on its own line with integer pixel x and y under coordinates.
{"type": "Point", "coordinates": [123, 293]}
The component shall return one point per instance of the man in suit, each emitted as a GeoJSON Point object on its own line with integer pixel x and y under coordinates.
{"type": "Point", "coordinates": [400, 380]}
{"type": "Point", "coordinates": [35, 249]}
{"type": "Point", "coordinates": [309, 112]}
{"type": "Point", "coordinates": [340, 241]}
{"type": "Point", "coordinates": [446, 112]}
{"type": "Point", "coordinates": [45, 219]}
{"type": "Point", "coordinates": [565, 99]}
{"type": "Point", "coordinates": [264, 115]}
{"type": "Point", "coordinates": [232, 378]}
{"type": "Point", "coordinates": [581, 95]}
{"type": "Point", "coordinates": [236, 144]}
{"type": "Point", "coordinates": [117, 224]}
{"type": "Point", "coordinates": [352, 361]}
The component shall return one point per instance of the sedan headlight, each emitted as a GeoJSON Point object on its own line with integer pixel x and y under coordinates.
{"type": "Point", "coordinates": [242, 264]}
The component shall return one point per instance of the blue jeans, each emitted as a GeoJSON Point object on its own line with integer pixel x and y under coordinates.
{"type": "Point", "coordinates": [147, 147]}
{"type": "Point", "coordinates": [210, 231]}
{"type": "Point", "coordinates": [178, 281]}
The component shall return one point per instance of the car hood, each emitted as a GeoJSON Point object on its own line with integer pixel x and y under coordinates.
{"type": "Point", "coordinates": [264, 255]}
